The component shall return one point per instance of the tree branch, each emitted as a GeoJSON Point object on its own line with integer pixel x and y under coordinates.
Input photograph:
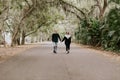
{"type": "Point", "coordinates": [25, 15]}
{"type": "Point", "coordinates": [98, 4]}
{"type": "Point", "coordinates": [35, 29]}
{"type": "Point", "coordinates": [44, 23]}
{"type": "Point", "coordinates": [102, 9]}
{"type": "Point", "coordinates": [9, 28]}
{"type": "Point", "coordinates": [4, 10]}
{"type": "Point", "coordinates": [75, 14]}
{"type": "Point", "coordinates": [27, 3]}
{"type": "Point", "coordinates": [63, 2]}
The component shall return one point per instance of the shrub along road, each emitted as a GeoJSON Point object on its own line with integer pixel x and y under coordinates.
{"type": "Point", "coordinates": [40, 63]}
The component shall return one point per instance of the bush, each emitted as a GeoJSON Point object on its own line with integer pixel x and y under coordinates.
{"type": "Point", "coordinates": [111, 31]}
{"type": "Point", "coordinates": [88, 32]}
{"type": "Point", "coordinates": [105, 34]}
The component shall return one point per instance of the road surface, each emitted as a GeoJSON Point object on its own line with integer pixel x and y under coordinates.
{"type": "Point", "coordinates": [40, 63]}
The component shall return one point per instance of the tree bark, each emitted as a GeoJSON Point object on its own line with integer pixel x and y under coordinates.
{"type": "Point", "coordinates": [23, 38]}
{"type": "Point", "coordinates": [15, 34]}
{"type": "Point", "coordinates": [18, 41]}
{"type": "Point", "coordinates": [102, 9]}
{"type": "Point", "coordinates": [62, 2]}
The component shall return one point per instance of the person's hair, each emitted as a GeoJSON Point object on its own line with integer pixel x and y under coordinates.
{"type": "Point", "coordinates": [55, 31]}
{"type": "Point", "coordinates": [67, 32]}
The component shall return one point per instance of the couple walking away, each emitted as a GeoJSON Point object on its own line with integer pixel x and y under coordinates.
{"type": "Point", "coordinates": [66, 39]}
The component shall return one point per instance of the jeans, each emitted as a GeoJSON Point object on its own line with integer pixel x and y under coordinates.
{"type": "Point", "coordinates": [55, 46]}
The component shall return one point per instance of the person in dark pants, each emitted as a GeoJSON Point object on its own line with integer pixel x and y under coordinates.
{"type": "Point", "coordinates": [55, 37]}
{"type": "Point", "coordinates": [67, 39]}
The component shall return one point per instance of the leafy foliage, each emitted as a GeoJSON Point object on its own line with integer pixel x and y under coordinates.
{"type": "Point", "coordinates": [111, 33]}
{"type": "Point", "coordinates": [101, 33]}
{"type": "Point", "coordinates": [89, 32]}
{"type": "Point", "coordinates": [116, 1]}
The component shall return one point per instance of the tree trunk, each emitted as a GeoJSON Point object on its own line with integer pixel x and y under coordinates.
{"type": "Point", "coordinates": [103, 9]}
{"type": "Point", "coordinates": [23, 38]}
{"type": "Point", "coordinates": [16, 37]}
{"type": "Point", "coordinates": [16, 32]}
{"type": "Point", "coordinates": [18, 41]}
{"type": "Point", "coordinates": [13, 42]}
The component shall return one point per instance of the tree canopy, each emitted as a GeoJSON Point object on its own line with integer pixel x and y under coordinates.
{"type": "Point", "coordinates": [96, 21]}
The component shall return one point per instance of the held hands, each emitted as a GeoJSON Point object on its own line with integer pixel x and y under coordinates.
{"type": "Point", "coordinates": [61, 41]}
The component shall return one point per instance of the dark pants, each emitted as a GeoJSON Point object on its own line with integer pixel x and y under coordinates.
{"type": "Point", "coordinates": [67, 46]}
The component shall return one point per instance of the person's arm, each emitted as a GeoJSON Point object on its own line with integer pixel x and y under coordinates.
{"type": "Point", "coordinates": [70, 39]}
{"type": "Point", "coordinates": [63, 39]}
{"type": "Point", "coordinates": [52, 37]}
{"type": "Point", "coordinates": [59, 37]}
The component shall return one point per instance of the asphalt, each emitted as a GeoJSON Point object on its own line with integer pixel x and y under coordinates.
{"type": "Point", "coordinates": [40, 63]}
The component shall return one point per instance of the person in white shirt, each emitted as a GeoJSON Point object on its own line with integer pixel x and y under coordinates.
{"type": "Point", "coordinates": [67, 40]}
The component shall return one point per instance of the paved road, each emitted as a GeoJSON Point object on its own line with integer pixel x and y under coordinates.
{"type": "Point", "coordinates": [41, 64]}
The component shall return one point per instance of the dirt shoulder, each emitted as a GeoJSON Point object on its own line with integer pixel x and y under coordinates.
{"type": "Point", "coordinates": [8, 52]}
{"type": "Point", "coordinates": [112, 55]}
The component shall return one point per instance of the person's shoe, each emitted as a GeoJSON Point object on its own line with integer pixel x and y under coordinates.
{"type": "Point", "coordinates": [54, 52]}
{"type": "Point", "coordinates": [67, 52]}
